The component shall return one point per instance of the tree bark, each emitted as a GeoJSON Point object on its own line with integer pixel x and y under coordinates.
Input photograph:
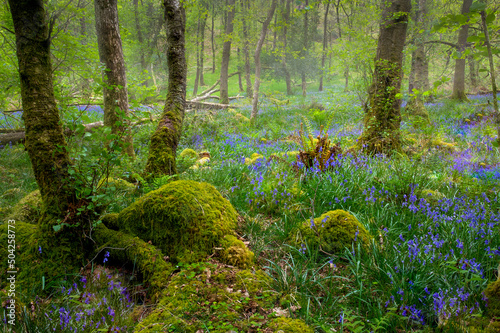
{"type": "Point", "coordinates": [164, 141]}
{"type": "Point", "coordinates": [246, 47]}
{"type": "Point", "coordinates": [213, 39]}
{"type": "Point", "coordinates": [258, 50]}
{"type": "Point", "coordinates": [325, 41]}
{"type": "Point", "coordinates": [473, 70]}
{"type": "Point", "coordinates": [459, 76]}
{"type": "Point", "coordinates": [202, 49]}
{"type": "Point", "coordinates": [45, 141]}
{"type": "Point", "coordinates": [305, 42]}
{"type": "Point", "coordinates": [419, 79]}
{"type": "Point", "coordinates": [114, 77]}
{"type": "Point", "coordinates": [226, 53]}
{"type": "Point", "coordinates": [286, 22]}
{"type": "Point", "coordinates": [492, 72]}
{"type": "Point", "coordinates": [140, 37]}
{"type": "Point", "coordinates": [197, 78]}
{"type": "Point", "coordinates": [383, 117]}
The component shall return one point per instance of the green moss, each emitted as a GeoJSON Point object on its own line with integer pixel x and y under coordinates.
{"type": "Point", "coordinates": [117, 184]}
{"type": "Point", "coordinates": [40, 257]}
{"type": "Point", "coordinates": [236, 253]}
{"type": "Point", "coordinates": [431, 196]}
{"type": "Point", "coordinates": [332, 232]}
{"type": "Point", "coordinates": [125, 248]}
{"type": "Point", "coordinates": [206, 294]}
{"type": "Point", "coordinates": [189, 153]}
{"type": "Point", "coordinates": [111, 221]}
{"type": "Point", "coordinates": [28, 209]}
{"type": "Point", "coordinates": [492, 292]}
{"type": "Point", "coordinates": [185, 219]}
{"type": "Point", "coordinates": [288, 325]}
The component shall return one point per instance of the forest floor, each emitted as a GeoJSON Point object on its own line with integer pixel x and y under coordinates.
{"type": "Point", "coordinates": [432, 211]}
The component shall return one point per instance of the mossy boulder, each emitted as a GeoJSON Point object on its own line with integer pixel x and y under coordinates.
{"type": "Point", "coordinates": [289, 325]}
{"type": "Point", "coordinates": [184, 218]}
{"type": "Point", "coordinates": [111, 221]}
{"type": "Point", "coordinates": [212, 293]}
{"type": "Point", "coordinates": [432, 196]}
{"type": "Point", "coordinates": [234, 252]}
{"type": "Point", "coordinates": [189, 153]}
{"type": "Point", "coordinates": [116, 184]}
{"type": "Point", "coordinates": [28, 209]}
{"type": "Point", "coordinates": [332, 232]}
{"type": "Point", "coordinates": [492, 292]}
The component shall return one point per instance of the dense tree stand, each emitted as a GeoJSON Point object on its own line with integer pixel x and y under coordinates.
{"type": "Point", "coordinates": [383, 117]}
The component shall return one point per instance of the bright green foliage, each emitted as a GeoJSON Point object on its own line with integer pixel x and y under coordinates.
{"type": "Point", "coordinates": [28, 209]}
{"type": "Point", "coordinates": [431, 196]}
{"type": "Point", "coordinates": [317, 152]}
{"type": "Point", "coordinates": [332, 232]}
{"type": "Point", "coordinates": [185, 219]}
{"type": "Point", "coordinates": [236, 253]}
{"type": "Point", "coordinates": [206, 297]}
{"type": "Point", "coordinates": [289, 325]}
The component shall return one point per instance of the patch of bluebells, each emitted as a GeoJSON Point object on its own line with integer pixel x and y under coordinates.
{"type": "Point", "coordinates": [101, 304]}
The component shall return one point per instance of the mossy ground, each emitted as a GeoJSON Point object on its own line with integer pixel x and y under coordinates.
{"type": "Point", "coordinates": [209, 296]}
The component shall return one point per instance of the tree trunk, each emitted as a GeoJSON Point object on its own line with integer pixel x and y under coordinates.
{"type": "Point", "coordinates": [258, 49]}
{"type": "Point", "coordinates": [47, 151]}
{"type": "Point", "coordinates": [286, 22]}
{"type": "Point", "coordinates": [246, 47]}
{"type": "Point", "coordinates": [213, 39]}
{"type": "Point", "coordinates": [492, 72]}
{"type": "Point", "coordinates": [304, 50]}
{"type": "Point", "coordinates": [459, 77]}
{"type": "Point", "coordinates": [197, 78]}
{"type": "Point", "coordinates": [164, 141]}
{"type": "Point", "coordinates": [226, 53]}
{"type": "Point", "coordinates": [115, 81]}
{"type": "Point", "coordinates": [382, 121]}
{"type": "Point", "coordinates": [473, 70]}
{"type": "Point", "coordinates": [140, 38]}
{"type": "Point", "coordinates": [325, 41]}
{"type": "Point", "coordinates": [240, 83]}
{"type": "Point", "coordinates": [202, 49]}
{"type": "Point", "coordinates": [419, 65]}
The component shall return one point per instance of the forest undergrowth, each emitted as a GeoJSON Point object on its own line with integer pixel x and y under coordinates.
{"type": "Point", "coordinates": [432, 212]}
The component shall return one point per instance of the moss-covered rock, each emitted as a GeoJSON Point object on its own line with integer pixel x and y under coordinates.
{"type": "Point", "coordinates": [189, 153]}
{"type": "Point", "coordinates": [492, 292]}
{"type": "Point", "coordinates": [432, 196]}
{"type": "Point", "coordinates": [288, 325]}
{"type": "Point", "coordinates": [210, 294]}
{"type": "Point", "coordinates": [332, 232]}
{"type": "Point", "coordinates": [111, 221]}
{"type": "Point", "coordinates": [236, 253]}
{"type": "Point", "coordinates": [184, 218]}
{"type": "Point", "coordinates": [116, 184]}
{"type": "Point", "coordinates": [28, 209]}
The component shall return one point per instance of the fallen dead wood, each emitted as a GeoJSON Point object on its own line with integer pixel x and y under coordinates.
{"type": "Point", "coordinates": [19, 136]}
{"type": "Point", "coordinates": [207, 106]}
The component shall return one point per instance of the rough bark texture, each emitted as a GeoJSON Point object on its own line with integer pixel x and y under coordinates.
{"type": "Point", "coordinates": [258, 50]}
{"type": "Point", "coordinates": [163, 147]}
{"type": "Point", "coordinates": [45, 141]}
{"type": "Point", "coordinates": [305, 42]}
{"type": "Point", "coordinates": [459, 77]}
{"type": "Point", "coordinates": [115, 81]}
{"type": "Point", "coordinates": [383, 117]}
{"type": "Point", "coordinates": [46, 148]}
{"type": "Point", "coordinates": [226, 53]}
{"type": "Point", "coordinates": [140, 37]}
{"type": "Point", "coordinates": [492, 72]}
{"type": "Point", "coordinates": [325, 40]}
{"type": "Point", "coordinates": [419, 75]}
{"type": "Point", "coordinates": [286, 22]}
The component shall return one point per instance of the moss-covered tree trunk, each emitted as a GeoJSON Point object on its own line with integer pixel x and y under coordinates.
{"type": "Point", "coordinates": [381, 132]}
{"type": "Point", "coordinates": [46, 146]}
{"type": "Point", "coordinates": [45, 141]}
{"type": "Point", "coordinates": [115, 81]}
{"type": "Point", "coordinates": [163, 147]}
{"type": "Point", "coordinates": [459, 76]}
{"type": "Point", "coordinates": [226, 53]}
{"type": "Point", "coordinates": [258, 50]}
